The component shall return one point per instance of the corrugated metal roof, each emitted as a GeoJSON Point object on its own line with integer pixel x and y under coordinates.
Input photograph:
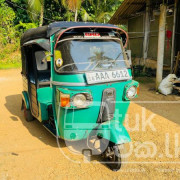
{"type": "Point", "coordinates": [127, 8]}
{"type": "Point", "coordinates": [130, 7]}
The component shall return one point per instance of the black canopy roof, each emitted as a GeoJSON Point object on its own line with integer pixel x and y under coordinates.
{"type": "Point", "coordinates": [47, 31]}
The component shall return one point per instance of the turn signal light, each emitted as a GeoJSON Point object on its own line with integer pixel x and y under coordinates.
{"type": "Point", "coordinates": [64, 100]}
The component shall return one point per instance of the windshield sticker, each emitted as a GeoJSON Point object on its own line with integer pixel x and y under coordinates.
{"type": "Point", "coordinates": [92, 35]}
{"type": "Point", "coordinates": [58, 58]}
{"type": "Point", "coordinates": [59, 63]}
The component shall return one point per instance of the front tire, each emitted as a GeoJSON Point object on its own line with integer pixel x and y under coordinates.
{"type": "Point", "coordinates": [113, 156]}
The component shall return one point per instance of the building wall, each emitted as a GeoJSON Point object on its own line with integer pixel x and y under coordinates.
{"type": "Point", "coordinates": [153, 40]}
{"type": "Point", "coordinates": [177, 36]}
{"type": "Point", "coordinates": [136, 34]}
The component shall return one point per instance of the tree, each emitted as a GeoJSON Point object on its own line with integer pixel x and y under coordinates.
{"type": "Point", "coordinates": [21, 13]}
{"type": "Point", "coordinates": [54, 11]}
{"type": "Point", "coordinates": [85, 16]}
{"type": "Point", "coordinates": [36, 7]}
{"type": "Point", "coordinates": [85, 10]}
{"type": "Point", "coordinates": [72, 5]}
{"type": "Point", "coordinates": [101, 11]}
{"type": "Point", "coordinates": [7, 17]}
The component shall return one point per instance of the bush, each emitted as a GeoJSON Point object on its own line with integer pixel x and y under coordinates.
{"type": "Point", "coordinates": [22, 27]}
{"type": "Point", "coordinates": [7, 31]}
{"type": "Point", "coordinates": [10, 37]}
{"type": "Point", "coordinates": [10, 57]}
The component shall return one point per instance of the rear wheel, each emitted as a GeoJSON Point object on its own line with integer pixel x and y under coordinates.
{"type": "Point", "coordinates": [27, 114]}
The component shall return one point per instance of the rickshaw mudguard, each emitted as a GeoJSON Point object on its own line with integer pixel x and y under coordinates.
{"type": "Point", "coordinates": [44, 98]}
{"type": "Point", "coordinates": [25, 99]}
{"type": "Point", "coordinates": [114, 132]}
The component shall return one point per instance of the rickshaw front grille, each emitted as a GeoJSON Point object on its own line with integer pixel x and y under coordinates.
{"type": "Point", "coordinates": [107, 105]}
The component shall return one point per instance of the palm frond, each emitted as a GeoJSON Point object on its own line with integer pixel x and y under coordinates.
{"type": "Point", "coordinates": [72, 5]}
{"type": "Point", "coordinates": [85, 16]}
{"type": "Point", "coordinates": [34, 6]}
{"type": "Point", "coordinates": [104, 16]}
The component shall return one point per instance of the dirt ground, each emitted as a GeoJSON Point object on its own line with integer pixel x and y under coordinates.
{"type": "Point", "coordinates": [29, 151]}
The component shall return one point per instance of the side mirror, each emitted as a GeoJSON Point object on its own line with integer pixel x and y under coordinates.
{"type": "Point", "coordinates": [41, 60]}
{"type": "Point", "coordinates": [128, 53]}
{"type": "Point", "coordinates": [46, 59]}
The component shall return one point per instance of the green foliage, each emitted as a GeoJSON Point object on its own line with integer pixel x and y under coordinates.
{"type": "Point", "coordinates": [22, 27]}
{"type": "Point", "coordinates": [85, 16]}
{"type": "Point", "coordinates": [36, 9]}
{"type": "Point", "coordinates": [17, 16]}
{"type": "Point", "coordinates": [21, 13]}
{"type": "Point", "coordinates": [11, 62]}
{"type": "Point", "coordinates": [69, 16]}
{"type": "Point", "coordinates": [124, 27]}
{"type": "Point", "coordinates": [10, 57]}
{"type": "Point", "coordinates": [101, 11]}
{"type": "Point", "coordinates": [7, 50]}
{"type": "Point", "coordinates": [7, 17]}
{"type": "Point", "coordinates": [10, 32]}
{"type": "Point", "coordinates": [72, 5]}
{"type": "Point", "coordinates": [54, 11]}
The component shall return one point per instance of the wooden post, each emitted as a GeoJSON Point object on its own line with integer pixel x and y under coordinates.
{"type": "Point", "coordinates": [161, 44]}
{"type": "Point", "coordinates": [146, 31]}
{"type": "Point", "coordinates": [173, 36]}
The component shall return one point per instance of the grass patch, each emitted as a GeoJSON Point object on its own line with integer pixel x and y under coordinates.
{"type": "Point", "coordinates": [10, 66]}
{"type": "Point", "coordinates": [10, 57]}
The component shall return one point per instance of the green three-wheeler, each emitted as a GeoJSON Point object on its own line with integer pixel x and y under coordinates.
{"type": "Point", "coordinates": [77, 82]}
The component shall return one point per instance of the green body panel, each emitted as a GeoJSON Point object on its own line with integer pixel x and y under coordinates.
{"type": "Point", "coordinates": [44, 98]}
{"type": "Point", "coordinates": [26, 99]}
{"type": "Point", "coordinates": [113, 131]}
{"type": "Point", "coordinates": [81, 120]}
{"type": "Point", "coordinates": [73, 91]}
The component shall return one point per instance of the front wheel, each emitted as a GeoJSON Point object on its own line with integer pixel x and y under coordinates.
{"type": "Point", "coordinates": [113, 156]}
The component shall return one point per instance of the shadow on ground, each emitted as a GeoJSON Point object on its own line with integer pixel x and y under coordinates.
{"type": "Point", "coordinates": [36, 129]}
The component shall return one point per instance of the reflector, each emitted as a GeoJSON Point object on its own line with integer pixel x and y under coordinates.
{"type": "Point", "coordinates": [138, 90]}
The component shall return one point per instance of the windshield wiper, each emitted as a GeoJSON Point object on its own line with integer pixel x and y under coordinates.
{"type": "Point", "coordinates": [89, 66]}
{"type": "Point", "coordinates": [112, 61]}
{"type": "Point", "coordinates": [117, 57]}
{"type": "Point", "coordinates": [99, 63]}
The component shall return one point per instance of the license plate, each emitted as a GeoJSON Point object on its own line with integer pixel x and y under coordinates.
{"type": "Point", "coordinates": [107, 76]}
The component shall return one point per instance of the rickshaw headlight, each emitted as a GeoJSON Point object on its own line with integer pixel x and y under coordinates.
{"type": "Point", "coordinates": [131, 92]}
{"type": "Point", "coordinates": [80, 101]}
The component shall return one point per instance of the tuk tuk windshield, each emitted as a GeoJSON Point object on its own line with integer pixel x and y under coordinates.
{"type": "Point", "coordinates": [79, 55]}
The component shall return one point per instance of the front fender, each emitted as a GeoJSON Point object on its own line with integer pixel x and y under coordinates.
{"type": "Point", "coordinates": [25, 99]}
{"type": "Point", "coordinates": [114, 132]}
